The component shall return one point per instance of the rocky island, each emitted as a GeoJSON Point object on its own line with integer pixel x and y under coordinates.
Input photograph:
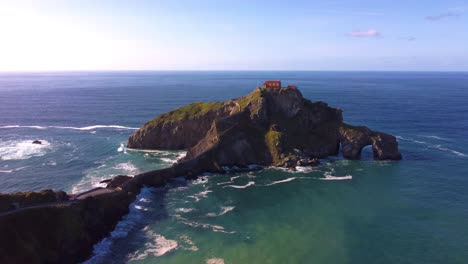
{"type": "Point", "coordinates": [271, 126]}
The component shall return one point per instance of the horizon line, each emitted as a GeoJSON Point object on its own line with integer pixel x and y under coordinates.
{"type": "Point", "coordinates": [241, 70]}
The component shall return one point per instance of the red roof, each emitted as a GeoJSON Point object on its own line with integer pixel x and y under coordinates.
{"type": "Point", "coordinates": [272, 84]}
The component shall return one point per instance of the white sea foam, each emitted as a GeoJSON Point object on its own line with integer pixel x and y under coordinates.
{"type": "Point", "coordinates": [122, 228]}
{"type": "Point", "coordinates": [168, 160]}
{"type": "Point", "coordinates": [435, 146]}
{"type": "Point", "coordinates": [73, 128]}
{"type": "Point", "coordinates": [121, 148]}
{"type": "Point", "coordinates": [224, 210]}
{"type": "Point", "coordinates": [281, 181]}
{"type": "Point", "coordinates": [215, 228]}
{"type": "Point", "coordinates": [12, 170]}
{"type": "Point", "coordinates": [184, 210]}
{"type": "Point", "coordinates": [201, 180]}
{"type": "Point", "coordinates": [93, 177]}
{"type": "Point", "coordinates": [189, 245]}
{"type": "Point", "coordinates": [329, 177]}
{"type": "Point", "coordinates": [302, 169]}
{"type": "Point", "coordinates": [235, 177]}
{"type": "Point", "coordinates": [200, 195]}
{"type": "Point", "coordinates": [94, 127]}
{"type": "Point", "coordinates": [127, 168]}
{"type": "Point", "coordinates": [181, 155]}
{"type": "Point", "coordinates": [215, 261]}
{"type": "Point", "coordinates": [250, 183]}
{"type": "Point", "coordinates": [22, 149]}
{"type": "Point", "coordinates": [18, 126]}
{"type": "Point", "coordinates": [159, 246]}
{"type": "Point", "coordinates": [145, 200]}
{"type": "Point", "coordinates": [434, 137]}
{"type": "Point", "coordinates": [450, 150]}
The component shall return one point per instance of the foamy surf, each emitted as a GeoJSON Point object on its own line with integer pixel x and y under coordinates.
{"type": "Point", "coordinates": [215, 261]}
{"type": "Point", "coordinates": [127, 168]}
{"type": "Point", "coordinates": [200, 195]}
{"type": "Point", "coordinates": [434, 137]}
{"type": "Point", "coordinates": [22, 149]}
{"type": "Point", "coordinates": [159, 246]}
{"type": "Point", "coordinates": [215, 228]}
{"type": "Point", "coordinates": [122, 148]}
{"type": "Point", "coordinates": [336, 178]}
{"type": "Point", "coordinates": [94, 176]}
{"type": "Point", "coordinates": [434, 146]}
{"type": "Point", "coordinates": [129, 222]}
{"type": "Point", "coordinates": [224, 210]}
{"type": "Point", "coordinates": [86, 128]}
{"type": "Point", "coordinates": [184, 210]}
{"type": "Point", "coordinates": [187, 243]}
{"type": "Point", "coordinates": [11, 170]}
{"type": "Point", "coordinates": [281, 181]}
{"type": "Point", "coordinates": [250, 183]}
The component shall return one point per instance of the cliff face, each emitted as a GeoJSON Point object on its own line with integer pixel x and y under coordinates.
{"type": "Point", "coordinates": [181, 128]}
{"type": "Point", "coordinates": [268, 126]}
{"type": "Point", "coordinates": [62, 233]}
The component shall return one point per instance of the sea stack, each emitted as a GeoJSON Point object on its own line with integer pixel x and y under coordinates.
{"type": "Point", "coordinates": [270, 126]}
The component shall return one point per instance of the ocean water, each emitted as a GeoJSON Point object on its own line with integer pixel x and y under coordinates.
{"type": "Point", "coordinates": [411, 211]}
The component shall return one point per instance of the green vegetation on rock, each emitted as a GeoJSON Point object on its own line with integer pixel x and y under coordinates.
{"type": "Point", "coordinates": [273, 142]}
{"type": "Point", "coordinates": [190, 111]}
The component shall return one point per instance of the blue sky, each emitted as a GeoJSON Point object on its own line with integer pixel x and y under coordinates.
{"type": "Point", "coordinates": [411, 35]}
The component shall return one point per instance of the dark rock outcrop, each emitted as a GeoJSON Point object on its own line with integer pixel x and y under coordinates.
{"type": "Point", "coordinates": [117, 181]}
{"type": "Point", "coordinates": [37, 142]}
{"type": "Point", "coordinates": [354, 139]}
{"type": "Point", "coordinates": [18, 200]}
{"type": "Point", "coordinates": [61, 233]}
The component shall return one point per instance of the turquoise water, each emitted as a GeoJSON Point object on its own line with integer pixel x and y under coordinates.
{"type": "Point", "coordinates": [412, 211]}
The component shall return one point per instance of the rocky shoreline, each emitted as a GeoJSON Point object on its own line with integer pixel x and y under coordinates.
{"type": "Point", "coordinates": [269, 127]}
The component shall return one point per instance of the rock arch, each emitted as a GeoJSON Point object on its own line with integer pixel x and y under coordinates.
{"type": "Point", "coordinates": [354, 138]}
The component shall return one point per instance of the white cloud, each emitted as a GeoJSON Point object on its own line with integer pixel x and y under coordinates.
{"type": "Point", "coordinates": [366, 33]}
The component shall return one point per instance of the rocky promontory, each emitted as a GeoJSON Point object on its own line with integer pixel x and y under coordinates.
{"type": "Point", "coordinates": [270, 126]}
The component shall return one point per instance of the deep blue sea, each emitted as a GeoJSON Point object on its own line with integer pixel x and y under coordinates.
{"type": "Point", "coordinates": [411, 211]}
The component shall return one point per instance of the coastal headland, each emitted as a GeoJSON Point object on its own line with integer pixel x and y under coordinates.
{"type": "Point", "coordinates": [268, 127]}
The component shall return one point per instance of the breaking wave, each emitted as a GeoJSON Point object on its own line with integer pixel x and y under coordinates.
{"type": "Point", "coordinates": [282, 181]}
{"type": "Point", "coordinates": [11, 170]}
{"type": "Point", "coordinates": [93, 177]}
{"type": "Point", "coordinates": [434, 146]}
{"type": "Point", "coordinates": [434, 137]}
{"type": "Point", "coordinates": [224, 210]}
{"type": "Point", "coordinates": [250, 183]}
{"type": "Point", "coordinates": [200, 195]}
{"type": "Point", "coordinates": [123, 227]}
{"type": "Point", "coordinates": [184, 210]}
{"type": "Point", "coordinates": [22, 149]}
{"type": "Point", "coordinates": [72, 128]}
{"type": "Point", "coordinates": [215, 228]}
{"type": "Point", "coordinates": [159, 246]}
